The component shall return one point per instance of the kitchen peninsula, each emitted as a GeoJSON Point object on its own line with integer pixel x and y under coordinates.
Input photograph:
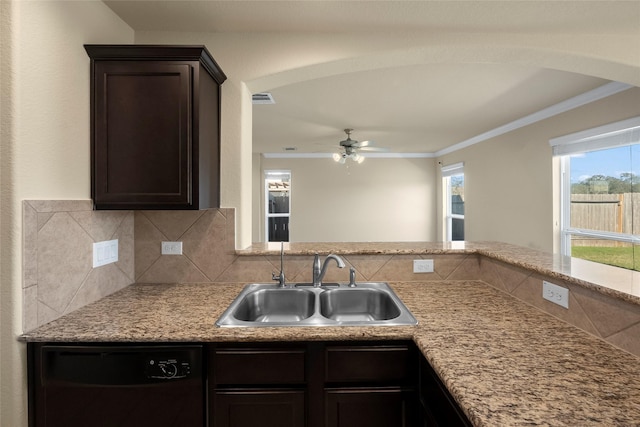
{"type": "Point", "coordinates": [504, 361]}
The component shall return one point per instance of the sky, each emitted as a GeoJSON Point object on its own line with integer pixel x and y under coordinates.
{"type": "Point", "coordinates": [611, 162]}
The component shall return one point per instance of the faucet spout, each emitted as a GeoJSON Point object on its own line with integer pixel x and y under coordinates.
{"type": "Point", "coordinates": [319, 271]}
{"type": "Point", "coordinates": [280, 277]}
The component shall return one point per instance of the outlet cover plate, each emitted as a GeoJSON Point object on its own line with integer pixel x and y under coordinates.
{"type": "Point", "coordinates": [171, 248]}
{"type": "Point", "coordinates": [556, 294]}
{"type": "Point", "coordinates": [423, 266]}
{"type": "Point", "coordinates": [105, 252]}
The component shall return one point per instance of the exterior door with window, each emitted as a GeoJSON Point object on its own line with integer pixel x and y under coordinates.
{"type": "Point", "coordinates": [278, 205]}
{"type": "Point", "coordinates": [453, 189]}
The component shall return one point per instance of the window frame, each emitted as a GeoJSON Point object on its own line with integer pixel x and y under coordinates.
{"type": "Point", "coordinates": [590, 140]}
{"type": "Point", "coordinates": [456, 169]}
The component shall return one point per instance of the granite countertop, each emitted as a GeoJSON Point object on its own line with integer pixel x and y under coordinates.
{"type": "Point", "coordinates": [506, 363]}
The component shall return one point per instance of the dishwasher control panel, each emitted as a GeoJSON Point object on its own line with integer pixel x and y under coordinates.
{"type": "Point", "coordinates": [168, 368]}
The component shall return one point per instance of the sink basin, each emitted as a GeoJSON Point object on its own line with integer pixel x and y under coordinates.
{"type": "Point", "coordinates": [276, 305]}
{"type": "Point", "coordinates": [367, 304]}
{"type": "Point", "coordinates": [358, 305]}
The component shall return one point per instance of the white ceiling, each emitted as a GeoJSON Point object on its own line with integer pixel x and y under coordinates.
{"type": "Point", "coordinates": [421, 108]}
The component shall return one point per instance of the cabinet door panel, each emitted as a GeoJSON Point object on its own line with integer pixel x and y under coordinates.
{"type": "Point", "coordinates": [373, 364]}
{"type": "Point", "coordinates": [370, 408]}
{"type": "Point", "coordinates": [259, 366]}
{"type": "Point", "coordinates": [142, 131]}
{"type": "Point", "coordinates": [259, 408]}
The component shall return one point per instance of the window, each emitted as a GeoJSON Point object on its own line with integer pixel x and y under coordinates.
{"type": "Point", "coordinates": [600, 194]}
{"type": "Point", "coordinates": [277, 186]}
{"type": "Point", "coordinates": [453, 190]}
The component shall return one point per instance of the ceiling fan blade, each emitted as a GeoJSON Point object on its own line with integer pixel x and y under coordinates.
{"type": "Point", "coordinates": [363, 144]}
{"type": "Point", "coordinates": [372, 149]}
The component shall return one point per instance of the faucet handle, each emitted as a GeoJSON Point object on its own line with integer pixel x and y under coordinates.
{"type": "Point", "coordinates": [279, 278]}
{"type": "Point", "coordinates": [352, 277]}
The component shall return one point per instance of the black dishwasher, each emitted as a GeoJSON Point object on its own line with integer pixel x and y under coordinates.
{"type": "Point", "coordinates": [115, 385]}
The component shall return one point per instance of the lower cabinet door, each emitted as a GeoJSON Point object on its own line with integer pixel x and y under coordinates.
{"type": "Point", "coordinates": [259, 408]}
{"type": "Point", "coordinates": [370, 407]}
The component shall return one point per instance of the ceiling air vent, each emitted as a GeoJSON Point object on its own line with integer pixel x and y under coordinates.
{"type": "Point", "coordinates": [262, 98]}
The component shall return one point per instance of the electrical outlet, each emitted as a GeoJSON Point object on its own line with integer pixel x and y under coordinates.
{"type": "Point", "coordinates": [423, 266]}
{"type": "Point", "coordinates": [556, 294]}
{"type": "Point", "coordinates": [105, 252]}
{"type": "Point", "coordinates": [171, 248]}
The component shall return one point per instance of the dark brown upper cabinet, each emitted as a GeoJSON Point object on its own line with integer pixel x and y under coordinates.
{"type": "Point", "coordinates": [155, 127]}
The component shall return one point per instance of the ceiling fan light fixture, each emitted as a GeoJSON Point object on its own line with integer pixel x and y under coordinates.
{"type": "Point", "coordinates": [342, 158]}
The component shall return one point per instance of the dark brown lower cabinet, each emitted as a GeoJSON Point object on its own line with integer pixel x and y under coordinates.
{"type": "Point", "coordinates": [263, 408]}
{"type": "Point", "coordinates": [370, 407]}
{"type": "Point", "coordinates": [331, 384]}
{"type": "Point", "coordinates": [292, 384]}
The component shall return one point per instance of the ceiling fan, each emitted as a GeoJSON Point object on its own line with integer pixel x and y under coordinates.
{"type": "Point", "coordinates": [350, 148]}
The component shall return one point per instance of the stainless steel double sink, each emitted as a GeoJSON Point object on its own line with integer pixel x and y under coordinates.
{"type": "Point", "coordinates": [333, 304]}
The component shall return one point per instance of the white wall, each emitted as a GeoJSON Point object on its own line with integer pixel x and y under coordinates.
{"type": "Point", "coordinates": [379, 200]}
{"type": "Point", "coordinates": [509, 185]}
{"type": "Point", "coordinates": [45, 143]}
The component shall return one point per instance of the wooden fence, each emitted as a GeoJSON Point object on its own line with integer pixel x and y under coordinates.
{"type": "Point", "coordinates": [619, 213]}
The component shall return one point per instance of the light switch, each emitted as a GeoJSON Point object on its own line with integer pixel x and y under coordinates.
{"type": "Point", "coordinates": [556, 294]}
{"type": "Point", "coordinates": [171, 248]}
{"type": "Point", "coordinates": [423, 266]}
{"type": "Point", "coordinates": [105, 252]}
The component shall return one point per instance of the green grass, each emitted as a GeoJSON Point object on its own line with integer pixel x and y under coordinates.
{"type": "Point", "coordinates": [623, 257]}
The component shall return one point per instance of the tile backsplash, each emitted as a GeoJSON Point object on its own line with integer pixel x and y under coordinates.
{"type": "Point", "coordinates": [58, 273]}
{"type": "Point", "coordinates": [59, 278]}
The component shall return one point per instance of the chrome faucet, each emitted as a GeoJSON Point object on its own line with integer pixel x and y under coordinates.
{"type": "Point", "coordinates": [319, 272]}
{"type": "Point", "coordinates": [280, 277]}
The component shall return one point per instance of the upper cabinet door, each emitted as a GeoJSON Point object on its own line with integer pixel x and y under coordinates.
{"type": "Point", "coordinates": [155, 128]}
{"type": "Point", "coordinates": [142, 133]}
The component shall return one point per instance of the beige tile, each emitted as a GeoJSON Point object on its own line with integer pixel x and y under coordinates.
{"type": "Point", "coordinates": [628, 339]}
{"type": "Point", "coordinates": [43, 218]}
{"type": "Point", "coordinates": [147, 241]}
{"type": "Point", "coordinates": [297, 269]}
{"type": "Point", "coordinates": [469, 269]}
{"type": "Point", "coordinates": [100, 282]}
{"type": "Point", "coordinates": [444, 265]}
{"type": "Point", "coordinates": [530, 291]}
{"type": "Point", "coordinates": [206, 245]}
{"type": "Point", "coordinates": [507, 276]}
{"type": "Point", "coordinates": [46, 314]}
{"type": "Point", "coordinates": [126, 246]}
{"type": "Point", "coordinates": [64, 260]}
{"type": "Point", "coordinates": [400, 268]}
{"type": "Point", "coordinates": [100, 225]}
{"type": "Point", "coordinates": [61, 205]}
{"type": "Point", "coordinates": [173, 269]}
{"type": "Point", "coordinates": [29, 246]}
{"type": "Point", "coordinates": [609, 315]}
{"type": "Point", "coordinates": [489, 274]}
{"type": "Point", "coordinates": [367, 265]}
{"type": "Point", "coordinates": [30, 308]}
{"type": "Point", "coordinates": [173, 224]}
{"type": "Point", "coordinates": [248, 269]}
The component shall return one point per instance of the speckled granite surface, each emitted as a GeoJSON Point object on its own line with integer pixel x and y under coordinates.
{"type": "Point", "coordinates": [565, 268]}
{"type": "Point", "coordinates": [506, 363]}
